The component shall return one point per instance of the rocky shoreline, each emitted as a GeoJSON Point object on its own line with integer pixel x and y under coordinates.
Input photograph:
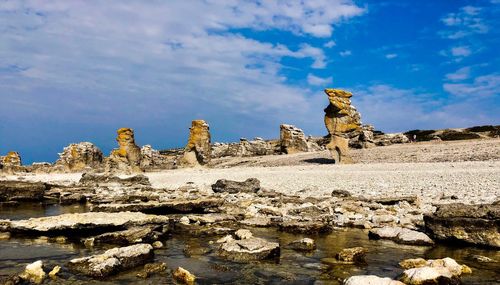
{"type": "Point", "coordinates": [128, 211]}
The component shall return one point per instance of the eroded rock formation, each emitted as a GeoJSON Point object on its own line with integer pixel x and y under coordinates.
{"type": "Point", "coordinates": [198, 149]}
{"type": "Point", "coordinates": [126, 158]}
{"type": "Point", "coordinates": [340, 118]}
{"type": "Point", "coordinates": [79, 156]}
{"type": "Point", "coordinates": [12, 159]}
{"type": "Point", "coordinates": [292, 139]}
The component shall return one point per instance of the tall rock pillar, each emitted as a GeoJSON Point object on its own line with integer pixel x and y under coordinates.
{"type": "Point", "coordinates": [340, 118]}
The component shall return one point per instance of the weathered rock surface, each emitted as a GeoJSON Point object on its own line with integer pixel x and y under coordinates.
{"type": "Point", "coordinates": [340, 118]}
{"type": "Point", "coordinates": [438, 271]}
{"type": "Point", "coordinates": [143, 234]}
{"type": "Point", "coordinates": [127, 158]}
{"type": "Point", "coordinates": [251, 185]}
{"type": "Point", "coordinates": [199, 205]}
{"type": "Point", "coordinates": [246, 148]}
{"type": "Point", "coordinates": [248, 249]}
{"type": "Point", "coordinates": [80, 156]}
{"type": "Point", "coordinates": [400, 235]}
{"type": "Point", "coordinates": [34, 273]}
{"type": "Point", "coordinates": [91, 179]}
{"type": "Point", "coordinates": [112, 261]}
{"type": "Point", "coordinates": [389, 139]}
{"type": "Point", "coordinates": [152, 159]}
{"type": "Point", "coordinates": [362, 138]}
{"type": "Point", "coordinates": [292, 139]}
{"type": "Point", "coordinates": [474, 224]}
{"type": "Point", "coordinates": [198, 149]}
{"type": "Point", "coordinates": [183, 276]}
{"type": "Point", "coordinates": [22, 191]}
{"type": "Point", "coordinates": [12, 159]}
{"type": "Point", "coordinates": [305, 244]}
{"type": "Point", "coordinates": [371, 280]}
{"type": "Point", "coordinates": [11, 163]}
{"type": "Point", "coordinates": [81, 223]}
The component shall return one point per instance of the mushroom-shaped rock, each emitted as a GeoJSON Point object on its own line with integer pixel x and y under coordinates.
{"type": "Point", "coordinates": [340, 118]}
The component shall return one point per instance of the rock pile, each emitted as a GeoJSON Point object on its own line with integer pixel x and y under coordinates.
{"type": "Point", "coordinates": [198, 149]}
{"type": "Point", "coordinates": [80, 156]}
{"type": "Point", "coordinates": [292, 139]}
{"type": "Point", "coordinates": [152, 159]}
{"type": "Point", "coordinates": [340, 118]}
{"type": "Point", "coordinates": [126, 158]}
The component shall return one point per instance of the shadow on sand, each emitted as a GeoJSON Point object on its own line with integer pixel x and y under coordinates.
{"type": "Point", "coordinates": [320, 160]}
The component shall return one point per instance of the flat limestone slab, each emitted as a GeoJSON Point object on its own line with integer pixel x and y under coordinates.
{"type": "Point", "coordinates": [112, 261]}
{"type": "Point", "coordinates": [86, 223]}
{"type": "Point", "coordinates": [200, 205]}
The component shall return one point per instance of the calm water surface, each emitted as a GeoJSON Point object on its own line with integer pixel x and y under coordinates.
{"type": "Point", "coordinates": [291, 268]}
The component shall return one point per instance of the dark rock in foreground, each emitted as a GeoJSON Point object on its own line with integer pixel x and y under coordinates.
{"type": "Point", "coordinates": [22, 191]}
{"type": "Point", "coordinates": [112, 261]}
{"type": "Point", "coordinates": [251, 185]}
{"type": "Point", "coordinates": [200, 205]}
{"type": "Point", "coordinates": [473, 224]}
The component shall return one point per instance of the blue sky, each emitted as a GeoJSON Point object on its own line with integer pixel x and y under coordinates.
{"type": "Point", "coordinates": [74, 71]}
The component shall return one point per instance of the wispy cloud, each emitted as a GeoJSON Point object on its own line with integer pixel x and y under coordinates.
{"type": "Point", "coordinates": [329, 44]}
{"type": "Point", "coordinates": [345, 53]}
{"type": "Point", "coordinates": [391, 55]}
{"type": "Point", "coordinates": [461, 74]}
{"type": "Point", "coordinates": [460, 51]}
{"type": "Point", "coordinates": [417, 109]}
{"type": "Point", "coordinates": [467, 21]}
{"type": "Point", "coordinates": [318, 81]}
{"type": "Point", "coordinates": [481, 86]}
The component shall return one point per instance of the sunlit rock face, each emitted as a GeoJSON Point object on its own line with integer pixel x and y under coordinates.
{"type": "Point", "coordinates": [127, 157]}
{"type": "Point", "coordinates": [79, 156]}
{"type": "Point", "coordinates": [198, 149]}
{"type": "Point", "coordinates": [11, 162]}
{"type": "Point", "coordinates": [341, 118]}
{"type": "Point", "coordinates": [292, 139]}
{"type": "Point", "coordinates": [12, 158]}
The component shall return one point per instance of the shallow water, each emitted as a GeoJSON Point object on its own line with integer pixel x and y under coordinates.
{"type": "Point", "coordinates": [292, 267]}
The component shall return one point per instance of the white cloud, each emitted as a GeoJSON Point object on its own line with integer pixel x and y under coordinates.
{"type": "Point", "coordinates": [460, 51]}
{"type": "Point", "coordinates": [329, 44]}
{"type": "Point", "coordinates": [171, 61]}
{"type": "Point", "coordinates": [345, 53]}
{"type": "Point", "coordinates": [482, 86]}
{"type": "Point", "coordinates": [318, 81]}
{"type": "Point", "coordinates": [391, 55]}
{"type": "Point", "coordinates": [461, 74]}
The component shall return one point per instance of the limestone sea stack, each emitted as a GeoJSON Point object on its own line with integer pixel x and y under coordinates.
{"type": "Point", "coordinates": [340, 118]}
{"type": "Point", "coordinates": [126, 158]}
{"type": "Point", "coordinates": [198, 149]}
{"type": "Point", "coordinates": [11, 162]}
{"type": "Point", "coordinates": [79, 156]}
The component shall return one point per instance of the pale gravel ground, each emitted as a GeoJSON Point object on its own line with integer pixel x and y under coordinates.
{"type": "Point", "coordinates": [398, 170]}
